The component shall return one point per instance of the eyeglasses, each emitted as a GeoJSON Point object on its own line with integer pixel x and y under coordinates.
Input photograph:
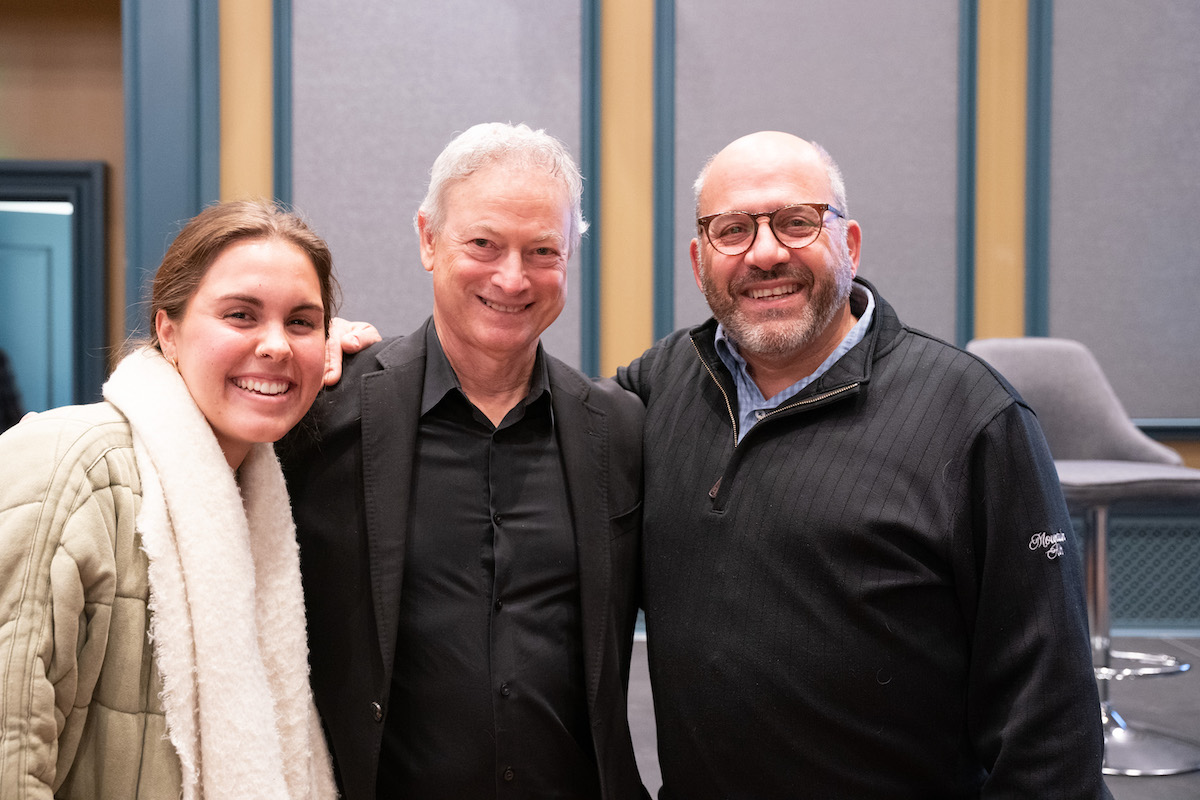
{"type": "Point", "coordinates": [795, 226]}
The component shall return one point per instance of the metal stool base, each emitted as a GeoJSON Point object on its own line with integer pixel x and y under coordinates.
{"type": "Point", "coordinates": [1132, 749]}
{"type": "Point", "coordinates": [1150, 665]}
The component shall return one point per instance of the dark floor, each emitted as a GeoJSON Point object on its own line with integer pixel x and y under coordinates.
{"type": "Point", "coordinates": [1169, 703]}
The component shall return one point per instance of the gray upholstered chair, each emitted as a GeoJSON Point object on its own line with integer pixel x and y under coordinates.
{"type": "Point", "coordinates": [1102, 458]}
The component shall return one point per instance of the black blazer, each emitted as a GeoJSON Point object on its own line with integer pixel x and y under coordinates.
{"type": "Point", "coordinates": [349, 472]}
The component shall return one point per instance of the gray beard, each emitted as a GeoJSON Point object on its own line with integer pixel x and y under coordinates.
{"type": "Point", "coordinates": [782, 333]}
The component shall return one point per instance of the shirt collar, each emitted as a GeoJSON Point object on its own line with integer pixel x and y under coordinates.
{"type": "Point", "coordinates": [440, 378]}
{"type": "Point", "coordinates": [750, 399]}
{"type": "Point", "coordinates": [862, 305]}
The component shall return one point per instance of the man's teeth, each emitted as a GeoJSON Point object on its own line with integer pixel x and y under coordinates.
{"type": "Point", "coordinates": [758, 294]}
{"type": "Point", "coordinates": [505, 309]}
{"type": "Point", "coordinates": [262, 387]}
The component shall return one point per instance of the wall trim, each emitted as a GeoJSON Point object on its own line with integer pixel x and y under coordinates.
{"type": "Point", "coordinates": [208, 93]}
{"type": "Point", "coordinates": [281, 18]}
{"type": "Point", "coordinates": [589, 157]}
{"type": "Point", "coordinates": [1037, 167]}
{"type": "Point", "coordinates": [664, 168]}
{"type": "Point", "coordinates": [171, 64]}
{"type": "Point", "coordinates": [968, 77]}
{"type": "Point", "coordinates": [1168, 429]}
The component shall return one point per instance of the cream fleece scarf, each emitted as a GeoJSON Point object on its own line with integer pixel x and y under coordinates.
{"type": "Point", "coordinates": [227, 610]}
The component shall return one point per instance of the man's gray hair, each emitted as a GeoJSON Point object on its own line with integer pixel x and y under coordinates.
{"type": "Point", "coordinates": [516, 146]}
{"type": "Point", "coordinates": [836, 182]}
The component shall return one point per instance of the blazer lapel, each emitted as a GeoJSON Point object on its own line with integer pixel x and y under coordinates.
{"type": "Point", "coordinates": [583, 440]}
{"type": "Point", "coordinates": [391, 410]}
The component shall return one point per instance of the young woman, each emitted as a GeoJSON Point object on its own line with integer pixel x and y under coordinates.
{"type": "Point", "coordinates": [152, 639]}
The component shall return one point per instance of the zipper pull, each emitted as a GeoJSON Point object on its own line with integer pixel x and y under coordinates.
{"type": "Point", "coordinates": [712, 493]}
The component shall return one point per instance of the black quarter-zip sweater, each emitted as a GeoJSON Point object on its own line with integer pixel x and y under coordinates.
{"type": "Point", "coordinates": [876, 594]}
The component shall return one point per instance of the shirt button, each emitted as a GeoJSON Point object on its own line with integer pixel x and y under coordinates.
{"type": "Point", "coordinates": [377, 712]}
{"type": "Point", "coordinates": [496, 518]}
{"type": "Point", "coordinates": [509, 774]}
{"type": "Point", "coordinates": [505, 689]}
{"type": "Point", "coordinates": [499, 604]}
{"type": "Point", "coordinates": [760, 413]}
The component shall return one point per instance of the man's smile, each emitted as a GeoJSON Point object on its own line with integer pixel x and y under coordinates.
{"type": "Point", "coordinates": [492, 304]}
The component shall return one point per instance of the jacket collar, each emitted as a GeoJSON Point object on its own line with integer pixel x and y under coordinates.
{"type": "Point", "coordinates": [854, 367]}
{"type": "Point", "coordinates": [404, 349]}
{"type": "Point", "coordinates": [390, 420]}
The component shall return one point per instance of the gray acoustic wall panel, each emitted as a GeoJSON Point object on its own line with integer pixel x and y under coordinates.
{"type": "Point", "coordinates": [1125, 196]}
{"type": "Point", "coordinates": [876, 83]}
{"type": "Point", "coordinates": [379, 88]}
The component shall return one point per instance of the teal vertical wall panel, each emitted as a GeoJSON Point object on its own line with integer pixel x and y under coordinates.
{"type": "Point", "coordinates": [964, 242]}
{"type": "Point", "coordinates": [282, 117]}
{"type": "Point", "coordinates": [172, 129]}
{"type": "Point", "coordinates": [664, 167]}
{"type": "Point", "coordinates": [589, 165]}
{"type": "Point", "coordinates": [1037, 167]}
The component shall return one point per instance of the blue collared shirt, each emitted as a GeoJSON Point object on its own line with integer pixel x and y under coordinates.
{"type": "Point", "coordinates": [752, 406]}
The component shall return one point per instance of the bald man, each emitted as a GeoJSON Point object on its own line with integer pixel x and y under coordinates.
{"type": "Point", "coordinates": [860, 578]}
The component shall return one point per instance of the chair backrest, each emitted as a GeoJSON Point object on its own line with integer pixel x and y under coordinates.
{"type": "Point", "coordinates": [1078, 410]}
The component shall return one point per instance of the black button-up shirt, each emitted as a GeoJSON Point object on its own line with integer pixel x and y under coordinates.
{"type": "Point", "coordinates": [488, 696]}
